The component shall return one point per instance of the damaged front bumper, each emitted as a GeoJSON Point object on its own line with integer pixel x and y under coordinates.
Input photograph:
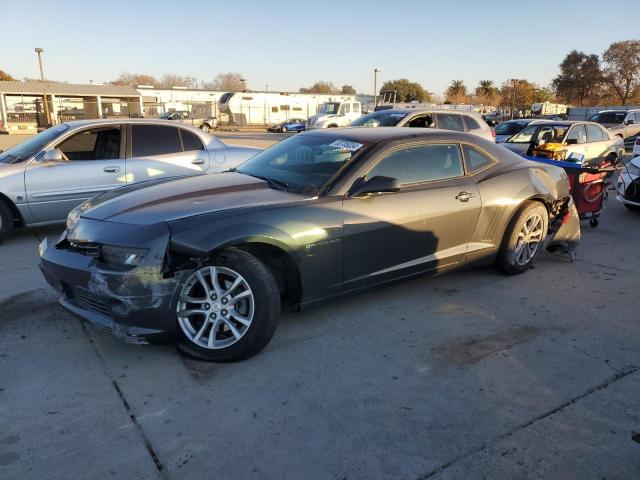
{"type": "Point", "coordinates": [136, 304]}
{"type": "Point", "coordinates": [563, 233]}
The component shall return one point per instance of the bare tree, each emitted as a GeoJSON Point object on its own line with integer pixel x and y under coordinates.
{"type": "Point", "coordinates": [226, 82]}
{"type": "Point", "coordinates": [4, 76]}
{"type": "Point", "coordinates": [348, 90]}
{"type": "Point", "coordinates": [126, 78]}
{"type": "Point", "coordinates": [320, 87]}
{"type": "Point", "coordinates": [622, 68]}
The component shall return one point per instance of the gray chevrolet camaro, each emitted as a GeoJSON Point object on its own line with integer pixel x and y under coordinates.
{"type": "Point", "coordinates": [44, 177]}
{"type": "Point", "coordinates": [207, 260]}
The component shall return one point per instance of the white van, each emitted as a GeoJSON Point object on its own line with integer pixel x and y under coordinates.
{"type": "Point", "coordinates": [335, 114]}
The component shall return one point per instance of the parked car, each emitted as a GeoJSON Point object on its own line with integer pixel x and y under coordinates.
{"type": "Point", "coordinates": [291, 125]}
{"type": "Point", "coordinates": [636, 147]}
{"type": "Point", "coordinates": [205, 261]}
{"type": "Point", "coordinates": [622, 123]}
{"type": "Point", "coordinates": [205, 124]}
{"type": "Point", "coordinates": [586, 139]}
{"type": "Point", "coordinates": [334, 114]}
{"type": "Point", "coordinates": [456, 120]}
{"type": "Point", "coordinates": [628, 183]}
{"type": "Point", "coordinates": [508, 129]}
{"type": "Point", "coordinates": [44, 177]}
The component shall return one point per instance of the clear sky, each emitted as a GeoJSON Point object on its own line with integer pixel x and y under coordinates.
{"type": "Point", "coordinates": [289, 44]}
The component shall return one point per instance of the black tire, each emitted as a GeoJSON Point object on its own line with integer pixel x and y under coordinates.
{"type": "Point", "coordinates": [332, 126]}
{"type": "Point", "coordinates": [506, 260]}
{"type": "Point", "coordinates": [205, 128]}
{"type": "Point", "coordinates": [6, 221]}
{"type": "Point", "coordinates": [593, 221]}
{"type": "Point", "coordinates": [265, 317]}
{"type": "Point", "coordinates": [633, 208]}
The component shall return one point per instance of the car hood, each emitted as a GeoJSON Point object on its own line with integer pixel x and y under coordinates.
{"type": "Point", "coordinates": [320, 116]}
{"type": "Point", "coordinates": [172, 199]}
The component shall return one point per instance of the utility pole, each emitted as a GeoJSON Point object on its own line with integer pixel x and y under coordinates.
{"type": "Point", "coordinates": [375, 86]}
{"type": "Point", "coordinates": [513, 97]}
{"type": "Point", "coordinates": [244, 84]}
{"type": "Point", "coordinates": [44, 87]}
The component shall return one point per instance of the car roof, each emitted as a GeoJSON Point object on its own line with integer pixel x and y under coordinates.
{"type": "Point", "coordinates": [423, 110]}
{"type": "Point", "coordinates": [376, 134]}
{"type": "Point", "coordinates": [620, 110]}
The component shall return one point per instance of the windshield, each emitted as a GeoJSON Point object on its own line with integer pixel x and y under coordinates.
{"type": "Point", "coordinates": [302, 164]}
{"type": "Point", "coordinates": [608, 117]}
{"type": "Point", "coordinates": [382, 118]}
{"type": "Point", "coordinates": [25, 150]}
{"type": "Point", "coordinates": [330, 108]}
{"type": "Point", "coordinates": [510, 128]}
{"type": "Point", "coordinates": [539, 134]}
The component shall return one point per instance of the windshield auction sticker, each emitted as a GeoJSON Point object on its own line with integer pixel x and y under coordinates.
{"type": "Point", "coordinates": [345, 144]}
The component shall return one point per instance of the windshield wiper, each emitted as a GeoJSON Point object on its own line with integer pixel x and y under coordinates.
{"type": "Point", "coordinates": [273, 183]}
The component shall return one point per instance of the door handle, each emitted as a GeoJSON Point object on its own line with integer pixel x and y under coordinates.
{"type": "Point", "coordinates": [464, 196]}
{"type": "Point", "coordinates": [111, 169]}
{"type": "Point", "coordinates": [197, 161]}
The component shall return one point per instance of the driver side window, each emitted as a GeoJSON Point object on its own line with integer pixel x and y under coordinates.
{"type": "Point", "coordinates": [93, 144]}
{"type": "Point", "coordinates": [577, 133]}
{"type": "Point", "coordinates": [423, 163]}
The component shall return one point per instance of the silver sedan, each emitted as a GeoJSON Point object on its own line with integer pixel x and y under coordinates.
{"type": "Point", "coordinates": [43, 178]}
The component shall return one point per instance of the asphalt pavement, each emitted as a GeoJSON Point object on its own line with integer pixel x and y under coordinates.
{"type": "Point", "coordinates": [469, 375]}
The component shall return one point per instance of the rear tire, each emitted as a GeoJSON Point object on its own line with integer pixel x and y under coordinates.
{"type": "Point", "coordinates": [633, 208]}
{"type": "Point", "coordinates": [233, 340]}
{"type": "Point", "coordinates": [523, 239]}
{"type": "Point", "coordinates": [6, 221]}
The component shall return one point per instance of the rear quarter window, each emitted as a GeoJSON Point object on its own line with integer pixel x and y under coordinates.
{"type": "Point", "coordinates": [190, 141]}
{"type": "Point", "coordinates": [450, 121]}
{"type": "Point", "coordinates": [471, 123]}
{"type": "Point", "coordinates": [474, 159]}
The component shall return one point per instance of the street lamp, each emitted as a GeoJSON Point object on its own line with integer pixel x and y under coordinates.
{"type": "Point", "coordinates": [375, 86]}
{"type": "Point", "coordinates": [244, 84]}
{"type": "Point", "coordinates": [39, 51]}
{"type": "Point", "coordinates": [513, 96]}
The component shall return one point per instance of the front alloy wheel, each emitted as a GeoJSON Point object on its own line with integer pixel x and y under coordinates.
{"type": "Point", "coordinates": [228, 310]}
{"type": "Point", "coordinates": [216, 307]}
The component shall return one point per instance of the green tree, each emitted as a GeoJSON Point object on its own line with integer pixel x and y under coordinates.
{"type": "Point", "coordinates": [406, 91]}
{"type": "Point", "coordinates": [622, 68]}
{"type": "Point", "coordinates": [579, 78]}
{"type": "Point", "coordinates": [457, 92]}
{"type": "Point", "coordinates": [347, 90]}
{"type": "Point", "coordinates": [4, 76]}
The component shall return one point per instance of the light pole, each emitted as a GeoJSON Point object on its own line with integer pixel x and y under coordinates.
{"type": "Point", "coordinates": [244, 84]}
{"type": "Point", "coordinates": [44, 86]}
{"type": "Point", "coordinates": [513, 96]}
{"type": "Point", "coordinates": [375, 86]}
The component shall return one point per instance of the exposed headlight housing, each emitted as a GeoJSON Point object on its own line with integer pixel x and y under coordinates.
{"type": "Point", "coordinates": [73, 217]}
{"type": "Point", "coordinates": [122, 256]}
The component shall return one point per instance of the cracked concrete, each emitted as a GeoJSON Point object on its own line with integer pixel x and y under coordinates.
{"type": "Point", "coordinates": [469, 375]}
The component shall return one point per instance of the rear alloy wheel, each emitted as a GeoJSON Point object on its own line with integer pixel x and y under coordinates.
{"type": "Point", "coordinates": [523, 239]}
{"type": "Point", "coordinates": [205, 128]}
{"type": "Point", "coordinates": [6, 221]}
{"type": "Point", "coordinates": [229, 310]}
{"type": "Point", "coordinates": [284, 129]}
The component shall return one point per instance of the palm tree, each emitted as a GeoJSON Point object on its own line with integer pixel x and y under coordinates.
{"type": "Point", "coordinates": [457, 92]}
{"type": "Point", "coordinates": [486, 88]}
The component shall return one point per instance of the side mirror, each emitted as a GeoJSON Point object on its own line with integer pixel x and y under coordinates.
{"type": "Point", "coordinates": [572, 141]}
{"type": "Point", "coordinates": [377, 184]}
{"type": "Point", "coordinates": [53, 155]}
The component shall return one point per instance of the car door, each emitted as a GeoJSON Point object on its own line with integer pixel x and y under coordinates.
{"type": "Point", "coordinates": [158, 151]}
{"type": "Point", "coordinates": [427, 224]}
{"type": "Point", "coordinates": [576, 142]}
{"type": "Point", "coordinates": [598, 141]}
{"type": "Point", "coordinates": [93, 163]}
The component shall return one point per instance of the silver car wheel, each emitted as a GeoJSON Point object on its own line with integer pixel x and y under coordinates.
{"type": "Point", "coordinates": [529, 239]}
{"type": "Point", "coordinates": [205, 128]}
{"type": "Point", "coordinates": [216, 307]}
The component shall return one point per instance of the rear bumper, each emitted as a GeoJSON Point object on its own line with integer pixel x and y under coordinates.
{"type": "Point", "coordinates": [135, 305]}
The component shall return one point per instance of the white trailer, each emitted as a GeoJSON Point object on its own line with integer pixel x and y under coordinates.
{"type": "Point", "coordinates": [264, 108]}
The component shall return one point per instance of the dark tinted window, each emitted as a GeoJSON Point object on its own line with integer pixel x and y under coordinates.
{"type": "Point", "coordinates": [608, 117]}
{"type": "Point", "coordinates": [420, 164]}
{"type": "Point", "coordinates": [510, 128]}
{"type": "Point", "coordinates": [381, 118]}
{"type": "Point", "coordinates": [474, 159]}
{"type": "Point", "coordinates": [148, 140]}
{"type": "Point", "coordinates": [450, 121]}
{"type": "Point", "coordinates": [93, 144]}
{"type": "Point", "coordinates": [190, 141]}
{"type": "Point", "coordinates": [471, 123]}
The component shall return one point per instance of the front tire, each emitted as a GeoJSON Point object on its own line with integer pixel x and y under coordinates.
{"type": "Point", "coordinates": [523, 239]}
{"type": "Point", "coordinates": [228, 311]}
{"type": "Point", "coordinates": [6, 221]}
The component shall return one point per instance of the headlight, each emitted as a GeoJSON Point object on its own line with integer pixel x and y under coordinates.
{"type": "Point", "coordinates": [73, 217]}
{"type": "Point", "coordinates": [122, 256]}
